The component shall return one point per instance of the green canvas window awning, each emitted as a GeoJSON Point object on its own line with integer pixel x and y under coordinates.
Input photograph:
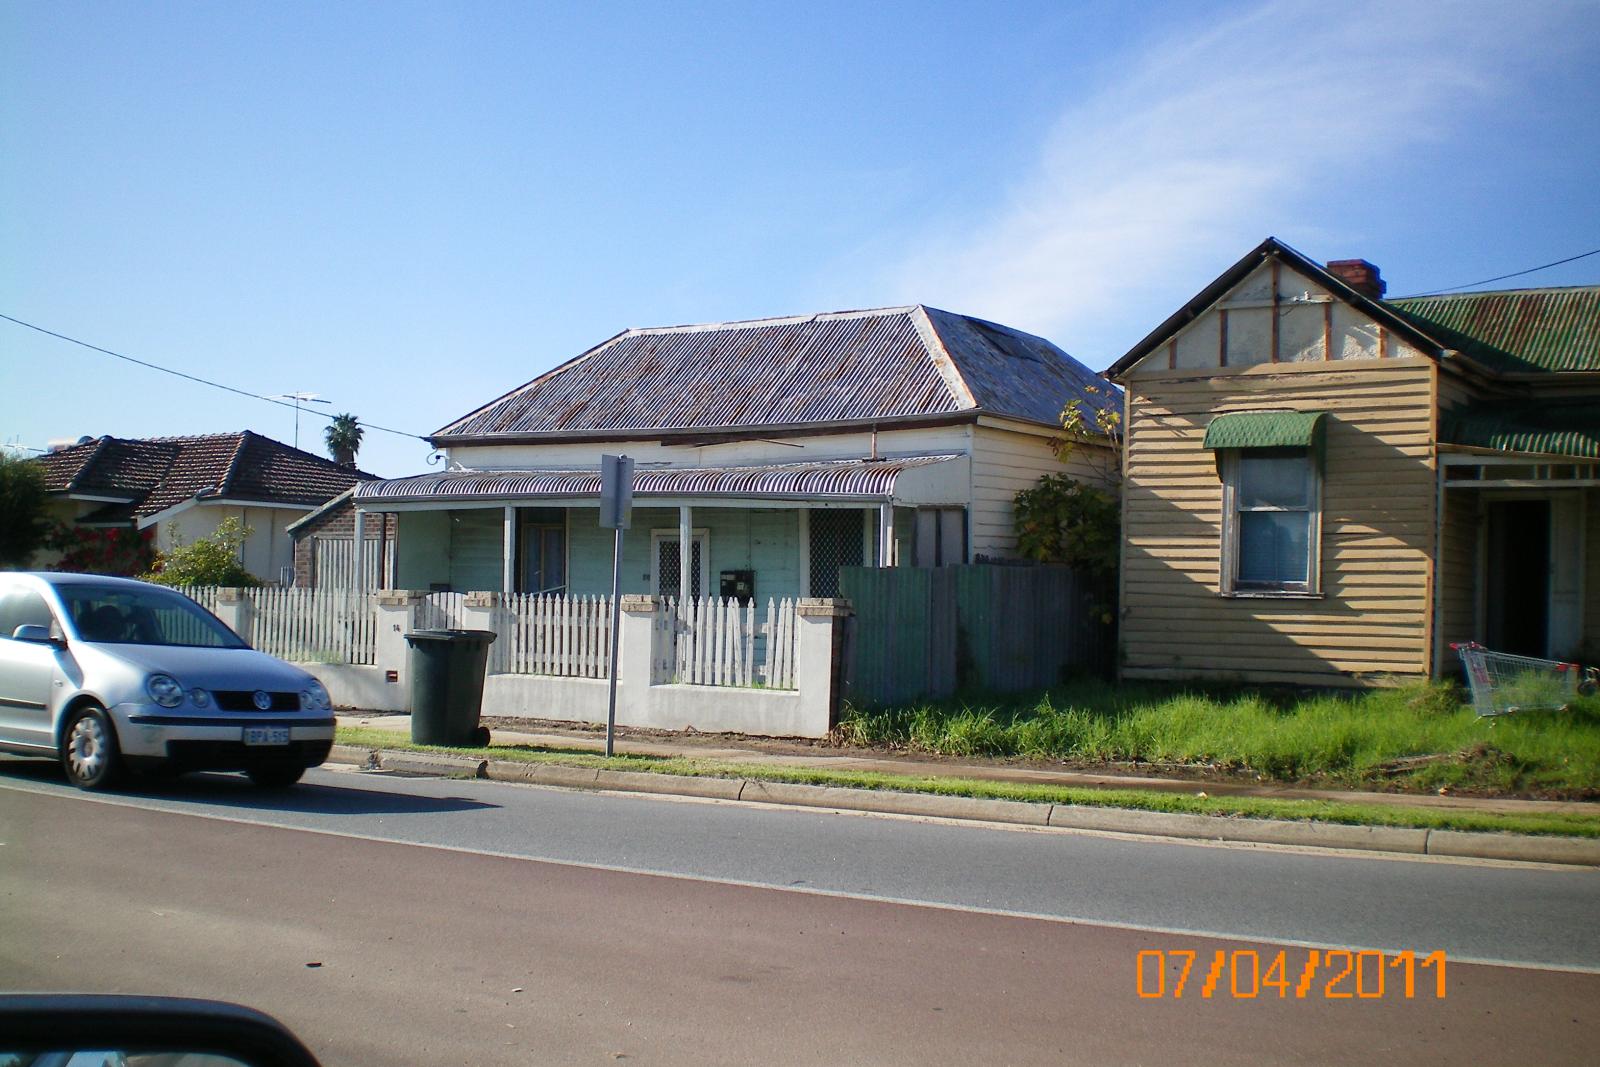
{"type": "Point", "coordinates": [1267, 429]}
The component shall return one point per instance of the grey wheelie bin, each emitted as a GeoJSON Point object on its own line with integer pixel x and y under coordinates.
{"type": "Point", "coordinates": [447, 669]}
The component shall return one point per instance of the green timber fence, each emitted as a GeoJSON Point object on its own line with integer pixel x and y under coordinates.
{"type": "Point", "coordinates": [930, 632]}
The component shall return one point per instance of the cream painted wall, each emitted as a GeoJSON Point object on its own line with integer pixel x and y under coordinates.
{"type": "Point", "coordinates": [267, 550]}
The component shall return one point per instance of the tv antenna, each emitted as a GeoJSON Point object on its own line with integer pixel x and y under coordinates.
{"type": "Point", "coordinates": [300, 398]}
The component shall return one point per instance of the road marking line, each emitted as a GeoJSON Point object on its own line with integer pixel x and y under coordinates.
{"type": "Point", "coordinates": [842, 894]}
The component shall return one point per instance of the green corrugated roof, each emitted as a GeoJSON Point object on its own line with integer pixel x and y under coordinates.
{"type": "Point", "coordinates": [1522, 330]}
{"type": "Point", "coordinates": [1265, 429]}
{"type": "Point", "coordinates": [1558, 429]}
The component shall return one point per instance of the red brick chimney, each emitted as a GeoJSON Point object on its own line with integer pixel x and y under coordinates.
{"type": "Point", "coordinates": [1359, 275]}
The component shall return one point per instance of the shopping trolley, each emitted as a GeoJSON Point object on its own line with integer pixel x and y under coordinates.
{"type": "Point", "coordinates": [1502, 683]}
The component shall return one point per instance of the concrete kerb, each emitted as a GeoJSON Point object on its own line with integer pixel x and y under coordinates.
{"type": "Point", "coordinates": [1392, 839]}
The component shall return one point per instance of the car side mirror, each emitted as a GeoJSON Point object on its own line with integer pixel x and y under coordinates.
{"type": "Point", "coordinates": [49, 1028]}
{"type": "Point", "coordinates": [40, 635]}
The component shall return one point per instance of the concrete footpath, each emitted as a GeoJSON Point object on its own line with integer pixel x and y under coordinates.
{"type": "Point", "coordinates": [1419, 842]}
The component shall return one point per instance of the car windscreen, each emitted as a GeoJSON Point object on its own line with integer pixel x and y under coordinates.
{"type": "Point", "coordinates": [132, 616]}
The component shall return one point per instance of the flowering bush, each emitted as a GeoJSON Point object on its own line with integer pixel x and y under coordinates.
{"type": "Point", "coordinates": [92, 550]}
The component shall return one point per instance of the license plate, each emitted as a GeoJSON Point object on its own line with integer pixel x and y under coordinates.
{"type": "Point", "coordinates": [266, 735]}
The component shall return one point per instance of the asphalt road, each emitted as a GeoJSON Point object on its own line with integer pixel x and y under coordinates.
{"type": "Point", "coordinates": [480, 922]}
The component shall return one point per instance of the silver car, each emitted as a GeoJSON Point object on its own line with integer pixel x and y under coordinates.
{"type": "Point", "coordinates": [109, 674]}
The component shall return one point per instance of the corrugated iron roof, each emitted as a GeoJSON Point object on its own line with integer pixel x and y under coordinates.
{"type": "Point", "coordinates": [156, 473]}
{"type": "Point", "coordinates": [1546, 428]}
{"type": "Point", "coordinates": [844, 480]}
{"type": "Point", "coordinates": [1518, 331]}
{"type": "Point", "coordinates": [854, 366]}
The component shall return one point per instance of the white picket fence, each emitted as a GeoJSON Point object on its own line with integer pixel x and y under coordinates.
{"type": "Point", "coordinates": [442, 611]}
{"type": "Point", "coordinates": [569, 637]}
{"type": "Point", "coordinates": [719, 641]}
{"type": "Point", "coordinates": [334, 563]}
{"type": "Point", "coordinates": [204, 595]}
{"type": "Point", "coordinates": [316, 625]}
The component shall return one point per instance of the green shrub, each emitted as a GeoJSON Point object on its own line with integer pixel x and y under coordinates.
{"type": "Point", "coordinates": [210, 560]}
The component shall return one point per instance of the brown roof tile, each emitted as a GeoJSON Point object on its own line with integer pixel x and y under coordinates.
{"type": "Point", "coordinates": [157, 473]}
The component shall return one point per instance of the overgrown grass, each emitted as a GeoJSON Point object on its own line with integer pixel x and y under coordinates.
{"type": "Point", "coordinates": [1347, 739]}
{"type": "Point", "coordinates": [1557, 823]}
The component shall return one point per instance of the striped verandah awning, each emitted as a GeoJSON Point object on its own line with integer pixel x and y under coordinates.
{"type": "Point", "coordinates": [864, 480]}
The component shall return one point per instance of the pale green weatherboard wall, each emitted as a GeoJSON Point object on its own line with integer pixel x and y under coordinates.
{"type": "Point", "coordinates": [422, 549]}
{"type": "Point", "coordinates": [458, 548]}
{"type": "Point", "coordinates": [764, 540]}
{"type": "Point", "coordinates": [463, 548]}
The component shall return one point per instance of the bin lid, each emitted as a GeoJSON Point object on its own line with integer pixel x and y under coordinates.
{"type": "Point", "coordinates": [453, 636]}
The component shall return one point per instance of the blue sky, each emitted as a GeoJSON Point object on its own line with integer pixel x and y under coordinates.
{"type": "Point", "coordinates": [411, 208]}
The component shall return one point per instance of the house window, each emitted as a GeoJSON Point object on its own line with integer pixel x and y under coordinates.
{"type": "Point", "coordinates": [1272, 521]}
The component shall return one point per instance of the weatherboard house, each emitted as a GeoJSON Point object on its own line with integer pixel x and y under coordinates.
{"type": "Point", "coordinates": [1324, 486]}
{"type": "Point", "coordinates": [778, 450]}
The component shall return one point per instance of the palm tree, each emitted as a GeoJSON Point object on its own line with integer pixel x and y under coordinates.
{"type": "Point", "coordinates": [343, 436]}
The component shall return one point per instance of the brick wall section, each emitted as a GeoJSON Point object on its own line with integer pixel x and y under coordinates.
{"type": "Point", "coordinates": [339, 524]}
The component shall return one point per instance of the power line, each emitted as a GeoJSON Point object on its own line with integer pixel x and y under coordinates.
{"type": "Point", "coordinates": [1503, 277]}
{"type": "Point", "coordinates": [193, 378]}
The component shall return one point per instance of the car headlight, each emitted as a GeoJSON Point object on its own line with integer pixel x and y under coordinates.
{"type": "Point", "coordinates": [164, 690]}
{"type": "Point", "coordinates": [200, 698]}
{"type": "Point", "coordinates": [314, 697]}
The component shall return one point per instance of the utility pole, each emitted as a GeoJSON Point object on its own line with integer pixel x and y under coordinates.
{"type": "Point", "coordinates": [300, 398]}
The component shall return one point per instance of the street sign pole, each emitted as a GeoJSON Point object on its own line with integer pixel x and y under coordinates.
{"type": "Point", "coordinates": [616, 511]}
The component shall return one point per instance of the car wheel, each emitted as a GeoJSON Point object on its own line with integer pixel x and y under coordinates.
{"type": "Point", "coordinates": [89, 752]}
{"type": "Point", "coordinates": [276, 775]}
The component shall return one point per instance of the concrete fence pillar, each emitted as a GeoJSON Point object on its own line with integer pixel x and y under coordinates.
{"type": "Point", "coordinates": [397, 616]}
{"type": "Point", "coordinates": [638, 657]}
{"type": "Point", "coordinates": [819, 639]}
{"type": "Point", "coordinates": [478, 612]}
{"type": "Point", "coordinates": [236, 609]}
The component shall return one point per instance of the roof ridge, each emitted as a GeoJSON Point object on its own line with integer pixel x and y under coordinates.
{"type": "Point", "coordinates": [943, 361]}
{"type": "Point", "coordinates": [772, 320]}
{"type": "Point", "coordinates": [99, 443]}
{"type": "Point", "coordinates": [231, 470]}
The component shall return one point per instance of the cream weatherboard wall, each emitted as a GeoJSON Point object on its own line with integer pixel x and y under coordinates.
{"type": "Point", "coordinates": [1371, 620]}
{"type": "Point", "coordinates": [1008, 457]}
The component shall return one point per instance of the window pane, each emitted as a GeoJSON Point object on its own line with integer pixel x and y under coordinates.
{"type": "Point", "coordinates": [1273, 547]}
{"type": "Point", "coordinates": [555, 558]}
{"type": "Point", "coordinates": [1274, 481]}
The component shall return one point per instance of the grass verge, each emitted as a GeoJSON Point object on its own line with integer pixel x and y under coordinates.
{"type": "Point", "coordinates": [1416, 737]}
{"type": "Point", "coordinates": [1330, 811]}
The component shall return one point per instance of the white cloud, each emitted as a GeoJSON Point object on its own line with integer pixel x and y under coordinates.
{"type": "Point", "coordinates": [1174, 167]}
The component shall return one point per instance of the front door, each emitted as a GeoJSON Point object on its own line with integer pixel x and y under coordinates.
{"type": "Point", "coordinates": [1533, 584]}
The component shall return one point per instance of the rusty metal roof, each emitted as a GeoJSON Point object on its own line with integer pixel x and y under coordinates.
{"type": "Point", "coordinates": [1518, 331]}
{"type": "Point", "coordinates": [1549, 428]}
{"type": "Point", "coordinates": [841, 480]}
{"type": "Point", "coordinates": [851, 366]}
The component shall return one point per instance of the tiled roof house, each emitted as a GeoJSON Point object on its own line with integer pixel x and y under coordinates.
{"type": "Point", "coordinates": [184, 486]}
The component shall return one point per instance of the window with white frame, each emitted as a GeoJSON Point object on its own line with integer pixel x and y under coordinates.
{"type": "Point", "coordinates": [1272, 522]}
